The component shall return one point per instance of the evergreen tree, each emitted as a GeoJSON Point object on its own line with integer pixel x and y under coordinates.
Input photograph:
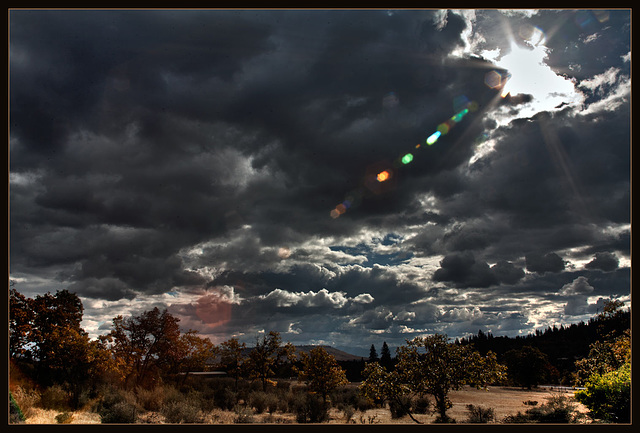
{"type": "Point", "coordinates": [373, 355]}
{"type": "Point", "coordinates": [385, 357]}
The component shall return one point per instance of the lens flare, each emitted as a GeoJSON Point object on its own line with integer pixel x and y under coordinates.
{"type": "Point", "coordinates": [463, 107]}
{"type": "Point", "coordinates": [407, 158]}
{"type": "Point", "coordinates": [383, 176]}
{"type": "Point", "coordinates": [433, 137]}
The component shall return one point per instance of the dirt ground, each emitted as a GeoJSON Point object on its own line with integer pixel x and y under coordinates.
{"type": "Point", "coordinates": [504, 401]}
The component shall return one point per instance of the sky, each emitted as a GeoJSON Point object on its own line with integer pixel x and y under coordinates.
{"type": "Point", "coordinates": [224, 165]}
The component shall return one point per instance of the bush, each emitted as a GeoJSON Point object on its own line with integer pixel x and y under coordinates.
{"type": "Point", "coordinates": [186, 411]}
{"type": "Point", "coordinates": [558, 409]}
{"type": "Point", "coordinates": [55, 398]}
{"type": "Point", "coordinates": [311, 409]}
{"type": "Point", "coordinates": [400, 407]}
{"type": "Point", "coordinates": [258, 400]}
{"type": "Point", "coordinates": [244, 415]}
{"type": "Point", "coordinates": [118, 406]}
{"type": "Point", "coordinates": [150, 399]}
{"type": "Point", "coordinates": [349, 411]}
{"type": "Point", "coordinates": [64, 418]}
{"type": "Point", "coordinates": [479, 414]}
{"type": "Point", "coordinates": [26, 399]}
{"type": "Point", "coordinates": [15, 414]}
{"type": "Point", "coordinates": [121, 412]}
{"type": "Point", "coordinates": [421, 405]}
{"type": "Point", "coordinates": [608, 396]}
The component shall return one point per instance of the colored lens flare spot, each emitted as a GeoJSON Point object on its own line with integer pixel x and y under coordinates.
{"type": "Point", "coordinates": [407, 158]}
{"type": "Point", "coordinates": [433, 137]}
{"type": "Point", "coordinates": [383, 176]}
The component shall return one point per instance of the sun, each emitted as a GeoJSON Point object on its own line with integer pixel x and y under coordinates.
{"type": "Point", "coordinates": [531, 75]}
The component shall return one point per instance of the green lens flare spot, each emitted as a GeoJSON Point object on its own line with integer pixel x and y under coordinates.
{"type": "Point", "coordinates": [407, 158]}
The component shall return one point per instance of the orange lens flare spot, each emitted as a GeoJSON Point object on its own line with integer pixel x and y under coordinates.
{"type": "Point", "coordinates": [383, 176]}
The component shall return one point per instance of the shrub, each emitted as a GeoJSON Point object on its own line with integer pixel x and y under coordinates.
{"type": "Point", "coordinates": [118, 406]}
{"type": "Point", "coordinates": [26, 399]}
{"type": "Point", "coordinates": [150, 399]}
{"type": "Point", "coordinates": [64, 418]}
{"type": "Point", "coordinates": [15, 414]}
{"type": "Point", "coordinates": [558, 409]}
{"type": "Point", "coordinates": [608, 396]}
{"type": "Point", "coordinates": [225, 399]}
{"type": "Point", "coordinates": [258, 400]}
{"type": "Point", "coordinates": [479, 414]}
{"type": "Point", "coordinates": [244, 415]}
{"type": "Point", "coordinates": [121, 412]}
{"type": "Point", "coordinates": [186, 411]}
{"type": "Point", "coordinates": [400, 407]}
{"type": "Point", "coordinates": [311, 409]}
{"type": "Point", "coordinates": [421, 405]}
{"type": "Point", "coordinates": [349, 411]}
{"type": "Point", "coordinates": [55, 397]}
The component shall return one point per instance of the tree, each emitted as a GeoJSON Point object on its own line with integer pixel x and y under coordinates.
{"type": "Point", "coordinates": [527, 366]}
{"type": "Point", "coordinates": [268, 356]}
{"type": "Point", "coordinates": [143, 345]}
{"type": "Point", "coordinates": [606, 373]}
{"type": "Point", "coordinates": [193, 353]}
{"type": "Point", "coordinates": [46, 331]}
{"type": "Point", "coordinates": [430, 365]}
{"type": "Point", "coordinates": [321, 372]}
{"type": "Point", "coordinates": [20, 323]}
{"type": "Point", "coordinates": [232, 358]}
{"type": "Point", "coordinates": [373, 354]}
{"type": "Point", "coordinates": [385, 356]}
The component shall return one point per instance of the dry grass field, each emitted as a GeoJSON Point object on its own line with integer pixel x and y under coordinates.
{"type": "Point", "coordinates": [504, 401]}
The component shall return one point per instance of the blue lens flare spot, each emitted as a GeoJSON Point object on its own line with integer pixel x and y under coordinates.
{"type": "Point", "coordinates": [433, 137]}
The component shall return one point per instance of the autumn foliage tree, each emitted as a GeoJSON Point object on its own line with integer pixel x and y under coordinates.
{"type": "Point", "coordinates": [231, 353]}
{"type": "Point", "coordinates": [321, 372]}
{"type": "Point", "coordinates": [46, 333]}
{"type": "Point", "coordinates": [431, 366]}
{"type": "Point", "coordinates": [144, 345]}
{"type": "Point", "coordinates": [267, 357]}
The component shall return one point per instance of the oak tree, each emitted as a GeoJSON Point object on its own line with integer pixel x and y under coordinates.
{"type": "Point", "coordinates": [431, 366]}
{"type": "Point", "coordinates": [321, 372]}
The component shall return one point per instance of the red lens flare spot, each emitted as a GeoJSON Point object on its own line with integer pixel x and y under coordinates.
{"type": "Point", "coordinates": [383, 176]}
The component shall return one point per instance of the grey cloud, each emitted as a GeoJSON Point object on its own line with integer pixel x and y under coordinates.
{"type": "Point", "coordinates": [604, 261]}
{"type": "Point", "coordinates": [465, 271]}
{"type": "Point", "coordinates": [539, 263]}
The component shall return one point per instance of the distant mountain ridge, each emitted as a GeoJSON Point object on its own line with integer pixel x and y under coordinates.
{"type": "Point", "coordinates": [338, 354]}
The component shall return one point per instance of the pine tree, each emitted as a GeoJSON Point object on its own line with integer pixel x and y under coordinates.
{"type": "Point", "coordinates": [385, 356]}
{"type": "Point", "coordinates": [373, 355]}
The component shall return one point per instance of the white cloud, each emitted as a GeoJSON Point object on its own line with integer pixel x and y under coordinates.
{"type": "Point", "coordinates": [322, 298]}
{"type": "Point", "coordinates": [579, 286]}
{"type": "Point", "coordinates": [363, 298]}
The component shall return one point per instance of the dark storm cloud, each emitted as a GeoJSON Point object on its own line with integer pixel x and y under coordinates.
{"type": "Point", "coordinates": [604, 261]}
{"type": "Point", "coordinates": [187, 151]}
{"type": "Point", "coordinates": [541, 263]}
{"type": "Point", "coordinates": [464, 270]}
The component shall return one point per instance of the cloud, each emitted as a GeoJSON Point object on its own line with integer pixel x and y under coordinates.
{"type": "Point", "coordinates": [579, 286]}
{"type": "Point", "coordinates": [199, 154]}
{"type": "Point", "coordinates": [539, 263]}
{"type": "Point", "coordinates": [465, 271]}
{"type": "Point", "coordinates": [604, 261]}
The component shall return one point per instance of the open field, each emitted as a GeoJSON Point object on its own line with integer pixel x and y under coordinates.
{"type": "Point", "coordinates": [504, 401]}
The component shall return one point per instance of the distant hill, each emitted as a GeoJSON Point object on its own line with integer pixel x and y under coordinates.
{"type": "Point", "coordinates": [338, 354]}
